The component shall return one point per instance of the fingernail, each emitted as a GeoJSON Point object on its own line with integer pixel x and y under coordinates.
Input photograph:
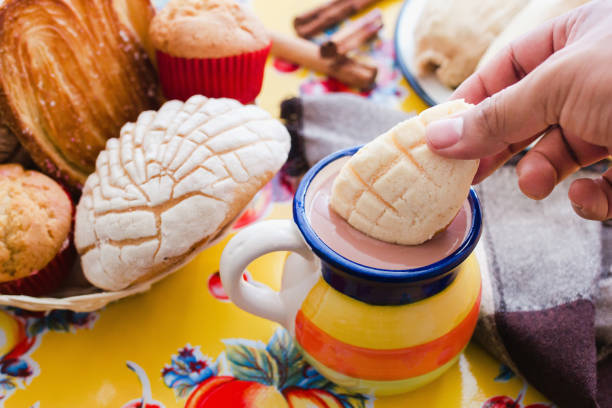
{"type": "Point", "coordinates": [444, 133]}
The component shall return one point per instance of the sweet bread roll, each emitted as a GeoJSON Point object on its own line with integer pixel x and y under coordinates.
{"type": "Point", "coordinates": [451, 35]}
{"type": "Point", "coordinates": [170, 184]}
{"type": "Point", "coordinates": [534, 14]}
{"type": "Point", "coordinates": [397, 190]}
{"type": "Point", "coordinates": [73, 72]}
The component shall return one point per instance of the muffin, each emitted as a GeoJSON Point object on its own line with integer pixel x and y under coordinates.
{"type": "Point", "coordinates": [35, 224]}
{"type": "Point", "coordinates": [214, 48]}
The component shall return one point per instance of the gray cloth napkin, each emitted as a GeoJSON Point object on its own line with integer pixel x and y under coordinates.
{"type": "Point", "coordinates": [547, 280]}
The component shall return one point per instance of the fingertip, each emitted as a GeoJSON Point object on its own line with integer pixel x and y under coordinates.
{"type": "Point", "coordinates": [445, 133]}
{"type": "Point", "coordinates": [588, 199]}
{"type": "Point", "coordinates": [447, 138]}
{"type": "Point", "coordinates": [536, 177]}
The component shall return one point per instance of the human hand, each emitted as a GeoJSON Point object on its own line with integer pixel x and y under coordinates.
{"type": "Point", "coordinates": [555, 80]}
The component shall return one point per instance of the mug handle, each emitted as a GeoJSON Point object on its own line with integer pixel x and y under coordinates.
{"type": "Point", "coordinates": [248, 245]}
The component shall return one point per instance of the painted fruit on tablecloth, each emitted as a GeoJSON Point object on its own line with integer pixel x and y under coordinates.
{"type": "Point", "coordinates": [251, 374]}
{"type": "Point", "coordinates": [504, 401]}
{"type": "Point", "coordinates": [226, 391]}
{"type": "Point", "coordinates": [21, 332]}
{"type": "Point", "coordinates": [215, 287]}
{"type": "Point", "coordinates": [302, 398]}
{"type": "Point", "coordinates": [11, 332]}
{"type": "Point", "coordinates": [507, 402]}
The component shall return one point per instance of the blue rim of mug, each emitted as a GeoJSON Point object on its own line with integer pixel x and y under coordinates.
{"type": "Point", "coordinates": [358, 270]}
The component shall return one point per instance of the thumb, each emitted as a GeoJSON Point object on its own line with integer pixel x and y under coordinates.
{"type": "Point", "coordinates": [512, 115]}
{"type": "Point", "coordinates": [592, 198]}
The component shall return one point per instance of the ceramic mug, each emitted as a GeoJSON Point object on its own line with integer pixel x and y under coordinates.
{"type": "Point", "coordinates": [370, 330]}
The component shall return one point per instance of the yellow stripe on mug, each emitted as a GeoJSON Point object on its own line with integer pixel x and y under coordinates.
{"type": "Point", "coordinates": [379, 387]}
{"type": "Point", "coordinates": [376, 327]}
{"type": "Point", "coordinates": [384, 364]}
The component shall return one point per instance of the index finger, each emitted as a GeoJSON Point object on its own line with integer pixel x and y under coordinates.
{"type": "Point", "coordinates": [515, 61]}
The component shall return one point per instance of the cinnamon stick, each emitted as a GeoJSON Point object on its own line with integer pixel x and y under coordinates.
{"type": "Point", "coordinates": [306, 53]}
{"type": "Point", "coordinates": [327, 15]}
{"type": "Point", "coordinates": [353, 35]}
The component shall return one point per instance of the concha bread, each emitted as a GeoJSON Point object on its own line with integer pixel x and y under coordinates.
{"type": "Point", "coordinates": [451, 35]}
{"type": "Point", "coordinates": [534, 14]}
{"type": "Point", "coordinates": [397, 190]}
{"type": "Point", "coordinates": [170, 183]}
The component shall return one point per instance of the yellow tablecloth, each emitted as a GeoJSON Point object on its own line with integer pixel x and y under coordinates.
{"type": "Point", "coordinates": [183, 340]}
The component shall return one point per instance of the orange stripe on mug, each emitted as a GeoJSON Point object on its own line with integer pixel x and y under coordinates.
{"type": "Point", "coordinates": [390, 364]}
{"type": "Point", "coordinates": [376, 327]}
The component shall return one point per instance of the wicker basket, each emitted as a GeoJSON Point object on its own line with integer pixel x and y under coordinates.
{"type": "Point", "coordinates": [80, 296]}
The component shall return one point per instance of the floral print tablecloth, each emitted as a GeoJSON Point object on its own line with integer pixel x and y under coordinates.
{"type": "Point", "coordinates": [183, 344]}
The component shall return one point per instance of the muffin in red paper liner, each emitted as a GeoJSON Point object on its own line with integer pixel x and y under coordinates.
{"type": "Point", "coordinates": [35, 223]}
{"type": "Point", "coordinates": [46, 280]}
{"type": "Point", "coordinates": [215, 48]}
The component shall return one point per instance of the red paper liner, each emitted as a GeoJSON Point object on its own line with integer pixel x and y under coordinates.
{"type": "Point", "coordinates": [45, 280]}
{"type": "Point", "coordinates": [238, 77]}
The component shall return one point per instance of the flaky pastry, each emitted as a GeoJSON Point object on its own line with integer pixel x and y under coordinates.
{"type": "Point", "coordinates": [73, 72]}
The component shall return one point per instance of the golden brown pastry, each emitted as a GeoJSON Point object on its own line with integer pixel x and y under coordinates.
{"type": "Point", "coordinates": [452, 35]}
{"type": "Point", "coordinates": [73, 72]}
{"type": "Point", "coordinates": [137, 16]}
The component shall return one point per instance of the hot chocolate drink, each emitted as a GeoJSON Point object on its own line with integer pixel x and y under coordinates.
{"type": "Point", "coordinates": [360, 248]}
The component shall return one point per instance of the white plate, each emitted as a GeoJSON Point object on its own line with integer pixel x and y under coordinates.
{"type": "Point", "coordinates": [428, 87]}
